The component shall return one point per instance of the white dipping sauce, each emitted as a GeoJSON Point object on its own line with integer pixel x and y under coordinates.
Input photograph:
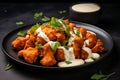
{"type": "Point", "coordinates": [88, 50]}
{"type": "Point", "coordinates": [74, 62]}
{"type": "Point", "coordinates": [42, 34]}
{"type": "Point", "coordinates": [86, 7]}
{"type": "Point", "coordinates": [95, 55]}
{"type": "Point", "coordinates": [88, 60]}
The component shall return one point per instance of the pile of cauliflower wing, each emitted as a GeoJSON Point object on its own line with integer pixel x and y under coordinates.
{"type": "Point", "coordinates": [33, 47]}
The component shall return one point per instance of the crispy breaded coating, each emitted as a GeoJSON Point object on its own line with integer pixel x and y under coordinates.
{"type": "Point", "coordinates": [60, 37]}
{"type": "Point", "coordinates": [50, 32]}
{"type": "Point", "coordinates": [60, 55]}
{"type": "Point", "coordinates": [19, 43]}
{"type": "Point", "coordinates": [99, 47]}
{"type": "Point", "coordinates": [83, 31]}
{"type": "Point", "coordinates": [78, 43]}
{"type": "Point", "coordinates": [30, 54]}
{"type": "Point", "coordinates": [30, 42]}
{"type": "Point", "coordinates": [39, 40]}
{"type": "Point", "coordinates": [84, 54]}
{"type": "Point", "coordinates": [48, 58]}
{"type": "Point", "coordinates": [91, 37]}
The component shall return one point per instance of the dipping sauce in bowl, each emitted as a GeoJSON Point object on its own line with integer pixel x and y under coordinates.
{"type": "Point", "coordinates": [85, 12]}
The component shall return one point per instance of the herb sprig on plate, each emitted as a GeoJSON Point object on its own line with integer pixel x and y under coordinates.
{"type": "Point", "coordinates": [101, 76]}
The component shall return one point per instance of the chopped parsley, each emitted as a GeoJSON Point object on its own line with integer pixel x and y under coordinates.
{"type": "Point", "coordinates": [101, 76]}
{"type": "Point", "coordinates": [8, 67]}
{"type": "Point", "coordinates": [62, 11]}
{"type": "Point", "coordinates": [66, 47]}
{"type": "Point", "coordinates": [45, 18]}
{"type": "Point", "coordinates": [34, 27]}
{"type": "Point", "coordinates": [77, 33]}
{"type": "Point", "coordinates": [21, 33]}
{"type": "Point", "coordinates": [38, 45]}
{"type": "Point", "coordinates": [38, 15]}
{"type": "Point", "coordinates": [19, 23]}
{"type": "Point", "coordinates": [58, 24]}
{"type": "Point", "coordinates": [55, 45]}
{"type": "Point", "coordinates": [68, 62]}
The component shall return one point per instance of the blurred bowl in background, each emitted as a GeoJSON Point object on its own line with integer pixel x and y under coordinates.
{"type": "Point", "coordinates": [85, 12]}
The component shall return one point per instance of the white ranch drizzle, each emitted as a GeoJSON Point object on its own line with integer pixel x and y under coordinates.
{"type": "Point", "coordinates": [95, 55]}
{"type": "Point", "coordinates": [88, 50]}
{"type": "Point", "coordinates": [42, 34]}
{"type": "Point", "coordinates": [89, 60]}
{"type": "Point", "coordinates": [69, 56]}
{"type": "Point", "coordinates": [86, 42]}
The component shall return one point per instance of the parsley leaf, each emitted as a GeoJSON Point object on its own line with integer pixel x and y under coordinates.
{"type": "Point", "coordinates": [21, 33]}
{"type": "Point", "coordinates": [101, 76]}
{"type": "Point", "coordinates": [8, 67]}
{"type": "Point", "coordinates": [38, 15]}
{"type": "Point", "coordinates": [68, 62]}
{"type": "Point", "coordinates": [62, 11]}
{"type": "Point", "coordinates": [19, 23]}
{"type": "Point", "coordinates": [45, 18]}
{"type": "Point", "coordinates": [34, 27]}
{"type": "Point", "coordinates": [77, 33]}
{"type": "Point", "coordinates": [38, 45]}
{"type": "Point", "coordinates": [55, 45]}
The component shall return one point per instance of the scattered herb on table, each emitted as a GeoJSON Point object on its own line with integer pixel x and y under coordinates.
{"type": "Point", "coordinates": [21, 33]}
{"type": "Point", "coordinates": [62, 11]}
{"type": "Point", "coordinates": [38, 15]}
{"type": "Point", "coordinates": [19, 23]}
{"type": "Point", "coordinates": [45, 18]}
{"type": "Point", "coordinates": [8, 67]}
{"type": "Point", "coordinates": [101, 76]}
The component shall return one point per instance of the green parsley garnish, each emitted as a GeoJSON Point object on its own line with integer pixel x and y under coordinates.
{"type": "Point", "coordinates": [62, 11]}
{"type": "Point", "coordinates": [66, 47]}
{"type": "Point", "coordinates": [21, 33]}
{"type": "Point", "coordinates": [34, 27]}
{"type": "Point", "coordinates": [101, 76]}
{"type": "Point", "coordinates": [77, 33]}
{"type": "Point", "coordinates": [55, 45]}
{"type": "Point", "coordinates": [68, 62]}
{"type": "Point", "coordinates": [45, 18]}
{"type": "Point", "coordinates": [38, 15]}
{"type": "Point", "coordinates": [19, 23]}
{"type": "Point", "coordinates": [65, 42]}
{"type": "Point", "coordinates": [8, 67]}
{"type": "Point", "coordinates": [38, 45]}
{"type": "Point", "coordinates": [58, 24]}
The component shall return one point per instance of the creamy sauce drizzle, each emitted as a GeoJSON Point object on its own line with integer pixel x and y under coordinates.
{"type": "Point", "coordinates": [88, 50]}
{"type": "Point", "coordinates": [42, 34]}
{"type": "Point", "coordinates": [68, 54]}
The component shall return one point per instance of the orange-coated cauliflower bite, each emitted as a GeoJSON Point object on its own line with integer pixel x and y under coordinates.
{"type": "Point", "coordinates": [19, 43]}
{"type": "Point", "coordinates": [30, 54]}
{"type": "Point", "coordinates": [48, 56]}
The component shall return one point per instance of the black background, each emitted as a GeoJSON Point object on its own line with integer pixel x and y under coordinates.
{"type": "Point", "coordinates": [12, 11]}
